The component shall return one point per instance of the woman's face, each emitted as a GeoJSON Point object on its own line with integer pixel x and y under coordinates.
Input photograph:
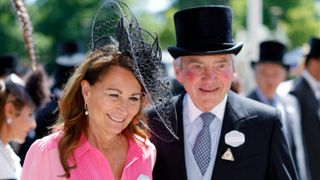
{"type": "Point", "coordinates": [22, 123]}
{"type": "Point", "coordinates": [113, 101]}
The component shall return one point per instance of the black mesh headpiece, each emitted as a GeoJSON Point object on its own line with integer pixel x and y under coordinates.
{"type": "Point", "coordinates": [114, 23]}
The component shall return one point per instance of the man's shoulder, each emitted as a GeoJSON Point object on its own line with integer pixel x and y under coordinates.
{"type": "Point", "coordinates": [246, 108]}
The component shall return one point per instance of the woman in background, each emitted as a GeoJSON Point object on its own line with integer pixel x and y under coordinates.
{"type": "Point", "coordinates": [16, 120]}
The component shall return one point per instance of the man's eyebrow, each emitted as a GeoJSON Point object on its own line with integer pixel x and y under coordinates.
{"type": "Point", "coordinates": [193, 60]}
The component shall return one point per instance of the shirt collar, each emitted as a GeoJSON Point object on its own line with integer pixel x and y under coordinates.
{"type": "Point", "coordinates": [195, 112]}
{"type": "Point", "coordinates": [311, 80]}
{"type": "Point", "coordinates": [264, 99]}
{"type": "Point", "coordinates": [134, 149]}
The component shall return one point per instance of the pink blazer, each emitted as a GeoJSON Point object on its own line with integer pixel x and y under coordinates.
{"type": "Point", "coordinates": [42, 161]}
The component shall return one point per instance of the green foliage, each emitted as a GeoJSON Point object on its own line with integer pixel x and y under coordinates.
{"type": "Point", "coordinates": [303, 24]}
{"type": "Point", "coordinates": [182, 4]}
{"type": "Point", "coordinates": [9, 29]}
{"type": "Point", "coordinates": [299, 18]}
{"type": "Point", "coordinates": [56, 21]}
{"type": "Point", "coordinates": [239, 13]}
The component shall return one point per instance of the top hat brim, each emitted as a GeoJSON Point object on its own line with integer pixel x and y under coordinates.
{"type": "Point", "coordinates": [177, 52]}
{"type": "Point", "coordinates": [254, 63]}
{"type": "Point", "coordinates": [70, 60]}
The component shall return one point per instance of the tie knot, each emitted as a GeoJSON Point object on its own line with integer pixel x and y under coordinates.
{"type": "Point", "coordinates": [207, 118]}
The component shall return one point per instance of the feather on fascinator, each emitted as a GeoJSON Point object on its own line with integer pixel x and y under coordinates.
{"type": "Point", "coordinates": [36, 80]}
{"type": "Point", "coordinates": [114, 23]}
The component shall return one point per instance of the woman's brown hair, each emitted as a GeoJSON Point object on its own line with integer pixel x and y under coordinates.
{"type": "Point", "coordinates": [72, 119]}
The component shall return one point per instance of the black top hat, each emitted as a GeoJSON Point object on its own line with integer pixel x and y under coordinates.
{"type": "Point", "coordinates": [204, 30]}
{"type": "Point", "coordinates": [70, 54]}
{"type": "Point", "coordinates": [271, 52]}
{"type": "Point", "coordinates": [314, 47]}
{"type": "Point", "coordinates": [9, 63]}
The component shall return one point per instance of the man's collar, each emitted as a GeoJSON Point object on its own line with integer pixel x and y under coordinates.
{"type": "Point", "coordinates": [195, 112]}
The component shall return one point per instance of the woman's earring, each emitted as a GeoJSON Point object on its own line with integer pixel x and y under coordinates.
{"type": "Point", "coordinates": [9, 120]}
{"type": "Point", "coordinates": [86, 109]}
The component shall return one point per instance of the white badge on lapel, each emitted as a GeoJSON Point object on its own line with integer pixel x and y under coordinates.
{"type": "Point", "coordinates": [234, 138]}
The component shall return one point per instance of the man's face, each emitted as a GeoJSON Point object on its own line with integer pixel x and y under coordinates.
{"type": "Point", "coordinates": [268, 77]}
{"type": "Point", "coordinates": [314, 68]}
{"type": "Point", "coordinates": [206, 78]}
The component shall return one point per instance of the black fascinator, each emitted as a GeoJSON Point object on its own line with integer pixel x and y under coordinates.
{"type": "Point", "coordinates": [114, 23]}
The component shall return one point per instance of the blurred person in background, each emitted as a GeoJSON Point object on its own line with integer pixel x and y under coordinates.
{"type": "Point", "coordinates": [70, 55]}
{"type": "Point", "coordinates": [307, 91]}
{"type": "Point", "coordinates": [17, 106]}
{"type": "Point", "coordinates": [270, 70]}
{"type": "Point", "coordinates": [46, 116]}
{"type": "Point", "coordinates": [9, 64]}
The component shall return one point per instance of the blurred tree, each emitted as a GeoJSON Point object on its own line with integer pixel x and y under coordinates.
{"type": "Point", "coordinates": [298, 18]}
{"type": "Point", "coordinates": [302, 22]}
{"type": "Point", "coordinates": [56, 21]}
{"type": "Point", "coordinates": [10, 35]}
{"type": "Point", "coordinates": [182, 4]}
{"type": "Point", "coordinates": [62, 21]}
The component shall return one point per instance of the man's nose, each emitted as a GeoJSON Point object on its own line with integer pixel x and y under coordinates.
{"type": "Point", "coordinates": [210, 74]}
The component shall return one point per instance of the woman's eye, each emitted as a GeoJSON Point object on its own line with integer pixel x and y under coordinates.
{"type": "Point", "coordinates": [134, 99]}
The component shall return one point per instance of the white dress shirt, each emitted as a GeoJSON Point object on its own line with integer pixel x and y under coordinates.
{"type": "Point", "coordinates": [192, 125]}
{"type": "Point", "coordinates": [314, 84]}
{"type": "Point", "coordinates": [10, 167]}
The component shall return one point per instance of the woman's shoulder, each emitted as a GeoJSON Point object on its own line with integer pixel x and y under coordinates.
{"type": "Point", "coordinates": [147, 149]}
{"type": "Point", "coordinates": [48, 142]}
{"type": "Point", "coordinates": [144, 144]}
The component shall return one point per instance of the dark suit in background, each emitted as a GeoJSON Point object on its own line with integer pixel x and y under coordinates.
{"type": "Point", "coordinates": [310, 122]}
{"type": "Point", "coordinates": [307, 91]}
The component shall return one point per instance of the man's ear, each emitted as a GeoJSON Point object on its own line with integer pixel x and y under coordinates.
{"type": "Point", "coordinates": [177, 70]}
{"type": "Point", "coordinates": [85, 89]}
{"type": "Point", "coordinates": [235, 75]}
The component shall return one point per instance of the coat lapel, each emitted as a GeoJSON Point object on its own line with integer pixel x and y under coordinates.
{"type": "Point", "coordinates": [231, 122]}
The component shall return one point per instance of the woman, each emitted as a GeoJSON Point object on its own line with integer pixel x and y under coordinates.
{"type": "Point", "coordinates": [101, 132]}
{"type": "Point", "coordinates": [99, 138]}
{"type": "Point", "coordinates": [16, 120]}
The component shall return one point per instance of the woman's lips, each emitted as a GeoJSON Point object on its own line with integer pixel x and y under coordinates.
{"type": "Point", "coordinates": [116, 119]}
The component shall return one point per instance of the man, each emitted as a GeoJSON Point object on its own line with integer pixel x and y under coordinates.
{"type": "Point", "coordinates": [222, 136]}
{"type": "Point", "coordinates": [270, 70]}
{"type": "Point", "coordinates": [307, 91]}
